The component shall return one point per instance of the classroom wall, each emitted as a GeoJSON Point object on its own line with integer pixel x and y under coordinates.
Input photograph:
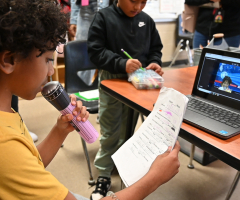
{"type": "Point", "coordinates": [165, 13]}
{"type": "Point", "coordinates": [167, 31]}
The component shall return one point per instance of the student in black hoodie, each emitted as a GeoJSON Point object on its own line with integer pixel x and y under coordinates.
{"type": "Point", "coordinates": [207, 26]}
{"type": "Point", "coordinates": [122, 25]}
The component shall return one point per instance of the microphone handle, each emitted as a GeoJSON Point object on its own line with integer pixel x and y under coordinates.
{"type": "Point", "coordinates": [85, 129]}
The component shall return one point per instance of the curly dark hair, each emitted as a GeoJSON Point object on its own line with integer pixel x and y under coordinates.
{"type": "Point", "coordinates": [29, 24]}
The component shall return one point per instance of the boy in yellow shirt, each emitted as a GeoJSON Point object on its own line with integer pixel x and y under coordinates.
{"type": "Point", "coordinates": [30, 30]}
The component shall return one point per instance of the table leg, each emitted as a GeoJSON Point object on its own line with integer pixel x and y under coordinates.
{"type": "Point", "coordinates": [190, 165]}
{"type": "Point", "coordinates": [233, 186]}
{"type": "Point", "coordinates": [122, 184]}
{"type": "Point", "coordinates": [132, 122]}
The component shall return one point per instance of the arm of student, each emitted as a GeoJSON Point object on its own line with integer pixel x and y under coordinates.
{"type": "Point", "coordinates": [70, 196]}
{"type": "Point", "coordinates": [51, 144]}
{"type": "Point", "coordinates": [73, 30]}
{"type": "Point", "coordinates": [155, 54]}
{"type": "Point", "coordinates": [49, 147]}
{"type": "Point", "coordinates": [197, 2]}
{"type": "Point", "coordinates": [97, 51]}
{"type": "Point", "coordinates": [165, 167]}
{"type": "Point", "coordinates": [75, 9]}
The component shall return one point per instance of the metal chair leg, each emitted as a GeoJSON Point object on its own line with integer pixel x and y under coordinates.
{"type": "Point", "coordinates": [179, 45]}
{"type": "Point", "coordinates": [233, 186]}
{"type": "Point", "coordinates": [190, 165]}
{"type": "Point", "coordinates": [177, 51]}
{"type": "Point", "coordinates": [189, 53]}
{"type": "Point", "coordinates": [91, 180]}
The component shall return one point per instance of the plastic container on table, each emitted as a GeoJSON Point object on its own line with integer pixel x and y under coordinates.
{"type": "Point", "coordinates": [146, 79]}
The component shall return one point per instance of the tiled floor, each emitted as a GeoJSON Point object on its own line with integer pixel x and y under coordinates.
{"type": "Point", "coordinates": [209, 182]}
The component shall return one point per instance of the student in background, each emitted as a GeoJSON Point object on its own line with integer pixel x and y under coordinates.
{"type": "Point", "coordinates": [122, 25]}
{"type": "Point", "coordinates": [208, 22]}
{"type": "Point", "coordinates": [28, 40]}
{"type": "Point", "coordinates": [81, 18]}
{"type": "Point", "coordinates": [66, 8]}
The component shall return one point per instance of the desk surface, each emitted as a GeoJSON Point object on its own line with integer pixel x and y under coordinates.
{"type": "Point", "coordinates": [182, 80]}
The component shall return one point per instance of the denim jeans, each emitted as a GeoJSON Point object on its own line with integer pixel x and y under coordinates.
{"type": "Point", "coordinates": [84, 16]}
{"type": "Point", "coordinates": [200, 39]}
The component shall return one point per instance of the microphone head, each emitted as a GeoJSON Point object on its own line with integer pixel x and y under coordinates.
{"type": "Point", "coordinates": [54, 93]}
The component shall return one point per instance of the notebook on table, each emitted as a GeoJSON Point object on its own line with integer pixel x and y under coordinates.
{"type": "Point", "coordinates": [90, 99]}
{"type": "Point", "coordinates": [214, 105]}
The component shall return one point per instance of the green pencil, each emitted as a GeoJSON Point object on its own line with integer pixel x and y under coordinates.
{"type": "Point", "coordinates": [129, 56]}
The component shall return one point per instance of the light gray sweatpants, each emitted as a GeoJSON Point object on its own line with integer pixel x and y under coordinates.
{"type": "Point", "coordinates": [113, 122]}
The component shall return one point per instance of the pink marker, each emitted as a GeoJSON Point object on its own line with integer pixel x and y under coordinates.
{"type": "Point", "coordinates": [168, 113]}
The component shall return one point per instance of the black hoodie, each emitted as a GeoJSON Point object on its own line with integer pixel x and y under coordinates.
{"type": "Point", "coordinates": [231, 21]}
{"type": "Point", "coordinates": [112, 30]}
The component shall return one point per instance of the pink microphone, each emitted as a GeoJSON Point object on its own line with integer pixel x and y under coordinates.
{"type": "Point", "coordinates": [54, 93]}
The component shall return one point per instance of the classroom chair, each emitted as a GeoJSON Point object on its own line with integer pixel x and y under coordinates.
{"type": "Point", "coordinates": [76, 59]}
{"type": "Point", "coordinates": [184, 41]}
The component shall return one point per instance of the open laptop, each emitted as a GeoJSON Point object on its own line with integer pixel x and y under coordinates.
{"type": "Point", "coordinates": [214, 104]}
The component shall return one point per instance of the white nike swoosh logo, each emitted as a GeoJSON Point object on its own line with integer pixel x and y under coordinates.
{"type": "Point", "coordinates": [140, 25]}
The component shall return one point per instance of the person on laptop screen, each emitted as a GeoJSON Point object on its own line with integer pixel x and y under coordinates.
{"type": "Point", "coordinates": [225, 84]}
{"type": "Point", "coordinates": [227, 77]}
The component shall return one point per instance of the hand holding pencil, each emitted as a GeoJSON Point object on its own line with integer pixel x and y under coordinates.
{"type": "Point", "coordinates": [132, 64]}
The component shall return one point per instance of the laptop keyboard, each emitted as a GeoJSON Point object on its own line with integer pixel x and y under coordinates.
{"type": "Point", "coordinates": [214, 112]}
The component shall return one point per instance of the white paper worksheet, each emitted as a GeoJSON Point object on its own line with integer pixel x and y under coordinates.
{"type": "Point", "coordinates": [158, 131]}
{"type": "Point", "coordinates": [171, 6]}
{"type": "Point", "coordinates": [152, 8]}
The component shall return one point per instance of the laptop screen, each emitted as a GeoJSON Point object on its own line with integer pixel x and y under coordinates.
{"type": "Point", "coordinates": [218, 77]}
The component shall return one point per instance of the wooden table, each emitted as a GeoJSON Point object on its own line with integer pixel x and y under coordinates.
{"type": "Point", "coordinates": [182, 80]}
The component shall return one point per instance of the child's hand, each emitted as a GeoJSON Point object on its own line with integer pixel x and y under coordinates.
{"type": "Point", "coordinates": [165, 166]}
{"type": "Point", "coordinates": [72, 30]}
{"type": "Point", "coordinates": [132, 65]}
{"type": "Point", "coordinates": [80, 112]}
{"type": "Point", "coordinates": [156, 68]}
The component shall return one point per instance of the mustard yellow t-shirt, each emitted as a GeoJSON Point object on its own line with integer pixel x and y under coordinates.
{"type": "Point", "coordinates": [22, 173]}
